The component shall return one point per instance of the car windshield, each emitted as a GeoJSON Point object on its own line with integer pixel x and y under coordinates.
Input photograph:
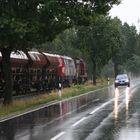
{"type": "Point", "coordinates": [122, 76]}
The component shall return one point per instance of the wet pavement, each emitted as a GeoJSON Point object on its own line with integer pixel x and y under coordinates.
{"type": "Point", "coordinates": [106, 114]}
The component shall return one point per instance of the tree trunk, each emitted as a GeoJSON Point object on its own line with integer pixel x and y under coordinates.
{"type": "Point", "coordinates": [94, 73]}
{"type": "Point", "coordinates": [7, 75]}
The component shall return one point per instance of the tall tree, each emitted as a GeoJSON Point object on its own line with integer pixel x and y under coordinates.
{"type": "Point", "coordinates": [130, 35]}
{"type": "Point", "coordinates": [131, 51]}
{"type": "Point", "coordinates": [117, 42]}
{"type": "Point", "coordinates": [19, 28]}
{"type": "Point", "coordinates": [100, 41]}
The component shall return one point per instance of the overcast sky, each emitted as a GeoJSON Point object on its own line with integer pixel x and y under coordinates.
{"type": "Point", "coordinates": [128, 11]}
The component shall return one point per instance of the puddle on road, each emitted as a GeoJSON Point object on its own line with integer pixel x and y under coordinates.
{"type": "Point", "coordinates": [129, 134]}
{"type": "Point", "coordinates": [26, 123]}
{"type": "Point", "coordinates": [131, 130]}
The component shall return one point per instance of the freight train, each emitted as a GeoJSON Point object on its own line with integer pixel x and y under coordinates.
{"type": "Point", "coordinates": [39, 71]}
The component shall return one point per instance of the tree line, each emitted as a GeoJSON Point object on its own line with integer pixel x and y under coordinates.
{"type": "Point", "coordinates": [107, 45]}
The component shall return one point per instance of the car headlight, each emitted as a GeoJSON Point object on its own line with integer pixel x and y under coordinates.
{"type": "Point", "coordinates": [116, 81]}
{"type": "Point", "coordinates": [127, 80]}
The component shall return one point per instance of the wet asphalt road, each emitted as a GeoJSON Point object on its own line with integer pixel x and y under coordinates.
{"type": "Point", "coordinates": [107, 114]}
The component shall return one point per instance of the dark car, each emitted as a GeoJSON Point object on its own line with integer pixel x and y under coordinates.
{"type": "Point", "coordinates": [122, 80]}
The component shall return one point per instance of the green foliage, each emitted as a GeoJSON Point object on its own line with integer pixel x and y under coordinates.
{"type": "Point", "coordinates": [27, 22]}
{"type": "Point", "coordinates": [100, 39]}
{"type": "Point", "coordinates": [19, 23]}
{"type": "Point", "coordinates": [108, 70]}
{"type": "Point", "coordinates": [130, 35]}
{"type": "Point", "coordinates": [128, 54]}
{"type": "Point", "coordinates": [63, 44]}
{"type": "Point", "coordinates": [133, 64]}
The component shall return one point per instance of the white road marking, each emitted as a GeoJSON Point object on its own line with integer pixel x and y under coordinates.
{"type": "Point", "coordinates": [103, 105]}
{"type": "Point", "coordinates": [58, 136]}
{"type": "Point", "coordinates": [78, 122]}
{"type": "Point", "coordinates": [96, 100]}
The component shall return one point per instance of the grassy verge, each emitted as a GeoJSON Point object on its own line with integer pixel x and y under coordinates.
{"type": "Point", "coordinates": [22, 105]}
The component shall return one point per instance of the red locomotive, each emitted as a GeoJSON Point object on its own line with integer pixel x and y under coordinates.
{"type": "Point", "coordinates": [43, 71]}
{"type": "Point", "coordinates": [81, 72]}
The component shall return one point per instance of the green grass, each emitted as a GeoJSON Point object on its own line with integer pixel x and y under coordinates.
{"type": "Point", "coordinates": [23, 105]}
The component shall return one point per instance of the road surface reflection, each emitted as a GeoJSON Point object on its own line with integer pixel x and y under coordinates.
{"type": "Point", "coordinates": [127, 96]}
{"type": "Point", "coordinates": [117, 98]}
{"type": "Point", "coordinates": [116, 104]}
